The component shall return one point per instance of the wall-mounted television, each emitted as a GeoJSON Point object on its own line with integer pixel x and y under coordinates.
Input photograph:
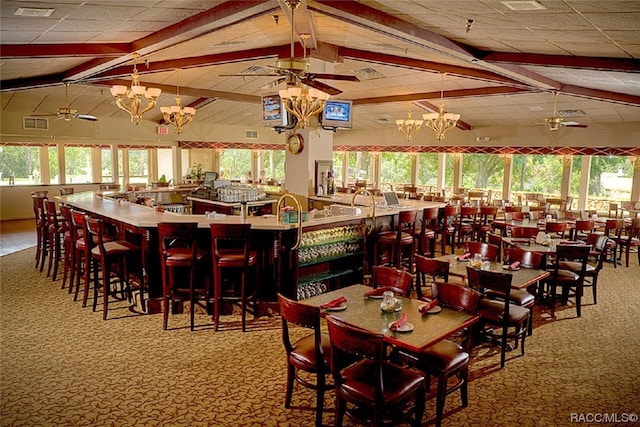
{"type": "Point", "coordinates": [337, 114]}
{"type": "Point", "coordinates": [274, 113]}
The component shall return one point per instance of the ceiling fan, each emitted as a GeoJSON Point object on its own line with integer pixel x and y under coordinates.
{"type": "Point", "coordinates": [293, 70]}
{"type": "Point", "coordinates": [67, 113]}
{"type": "Point", "coordinates": [555, 122]}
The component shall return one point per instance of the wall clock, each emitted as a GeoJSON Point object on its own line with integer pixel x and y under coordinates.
{"type": "Point", "coordinates": [295, 143]}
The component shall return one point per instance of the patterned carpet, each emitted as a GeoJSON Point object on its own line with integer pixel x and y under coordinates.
{"type": "Point", "coordinates": [62, 365]}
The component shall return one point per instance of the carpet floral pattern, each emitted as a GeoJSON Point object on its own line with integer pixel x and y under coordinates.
{"type": "Point", "coordinates": [61, 364]}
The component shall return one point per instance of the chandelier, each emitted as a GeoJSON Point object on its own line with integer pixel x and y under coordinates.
{"type": "Point", "coordinates": [177, 115]}
{"type": "Point", "coordinates": [130, 99]}
{"type": "Point", "coordinates": [440, 122]}
{"type": "Point", "coordinates": [303, 102]}
{"type": "Point", "coordinates": [409, 126]}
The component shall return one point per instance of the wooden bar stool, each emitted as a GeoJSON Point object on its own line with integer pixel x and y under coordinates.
{"type": "Point", "coordinates": [55, 234]}
{"type": "Point", "coordinates": [398, 240]}
{"type": "Point", "coordinates": [179, 252]}
{"type": "Point", "coordinates": [426, 237]}
{"type": "Point", "coordinates": [230, 249]}
{"type": "Point", "coordinates": [104, 255]}
{"type": "Point", "coordinates": [41, 230]}
{"type": "Point", "coordinates": [68, 271]}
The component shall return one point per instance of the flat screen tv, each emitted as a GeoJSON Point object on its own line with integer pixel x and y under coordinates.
{"type": "Point", "coordinates": [273, 112]}
{"type": "Point", "coordinates": [337, 114]}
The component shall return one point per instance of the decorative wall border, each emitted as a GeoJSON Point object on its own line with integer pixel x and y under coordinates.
{"type": "Point", "coordinates": [575, 151]}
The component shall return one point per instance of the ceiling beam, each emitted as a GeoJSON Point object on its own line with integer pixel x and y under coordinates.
{"type": "Point", "coordinates": [602, 95]}
{"type": "Point", "coordinates": [224, 15]}
{"type": "Point", "coordinates": [375, 20]}
{"type": "Point", "coordinates": [188, 91]}
{"type": "Point", "coordinates": [462, 93]}
{"type": "Point", "coordinates": [579, 62]}
{"type": "Point", "coordinates": [418, 64]}
{"type": "Point", "coordinates": [55, 50]}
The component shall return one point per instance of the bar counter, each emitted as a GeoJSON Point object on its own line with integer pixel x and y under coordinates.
{"type": "Point", "coordinates": [282, 268]}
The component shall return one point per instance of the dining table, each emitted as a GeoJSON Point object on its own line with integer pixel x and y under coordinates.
{"type": "Point", "coordinates": [420, 331]}
{"type": "Point", "coordinates": [523, 278]}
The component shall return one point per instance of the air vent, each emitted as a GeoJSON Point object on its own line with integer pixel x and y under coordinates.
{"type": "Point", "coordinates": [523, 5]}
{"type": "Point", "coordinates": [255, 69]}
{"type": "Point", "coordinates": [33, 12]}
{"type": "Point", "coordinates": [368, 74]}
{"type": "Point", "coordinates": [35, 123]}
{"type": "Point", "coordinates": [571, 113]}
{"type": "Point", "coordinates": [250, 134]}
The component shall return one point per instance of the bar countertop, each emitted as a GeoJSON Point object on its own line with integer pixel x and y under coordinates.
{"type": "Point", "coordinates": [146, 217]}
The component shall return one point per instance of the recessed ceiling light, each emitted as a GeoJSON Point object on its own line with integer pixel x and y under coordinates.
{"type": "Point", "coordinates": [34, 12]}
{"type": "Point", "coordinates": [523, 5]}
{"type": "Point", "coordinates": [536, 108]}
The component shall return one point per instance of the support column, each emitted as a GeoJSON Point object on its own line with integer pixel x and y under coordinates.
{"type": "Point", "coordinates": [457, 170]}
{"type": "Point", "coordinates": [585, 171]}
{"type": "Point", "coordinates": [300, 168]}
{"type": "Point", "coordinates": [507, 176]}
{"type": "Point", "coordinates": [565, 186]}
{"type": "Point", "coordinates": [442, 163]}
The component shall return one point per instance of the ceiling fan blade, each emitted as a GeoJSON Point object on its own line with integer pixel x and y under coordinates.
{"type": "Point", "coordinates": [251, 75]}
{"type": "Point", "coordinates": [574, 125]}
{"type": "Point", "coordinates": [87, 117]}
{"type": "Point", "coordinates": [342, 77]}
{"type": "Point", "coordinates": [320, 86]}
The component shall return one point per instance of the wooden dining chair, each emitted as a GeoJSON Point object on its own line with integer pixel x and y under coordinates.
{"type": "Point", "coordinates": [569, 272]}
{"type": "Point", "coordinates": [501, 321]}
{"type": "Point", "coordinates": [447, 359]}
{"type": "Point", "coordinates": [309, 353]}
{"type": "Point", "coordinates": [486, 250]}
{"type": "Point", "coordinates": [429, 270]}
{"type": "Point", "coordinates": [373, 391]}
{"type": "Point", "coordinates": [530, 232]}
{"type": "Point", "coordinates": [523, 297]}
{"type": "Point", "coordinates": [631, 239]}
{"type": "Point", "coordinates": [399, 281]}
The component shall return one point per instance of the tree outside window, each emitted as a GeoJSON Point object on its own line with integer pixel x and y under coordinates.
{"type": "Point", "coordinates": [77, 164]}
{"type": "Point", "coordinates": [359, 167]}
{"type": "Point", "coordinates": [482, 171]}
{"type": "Point", "coordinates": [427, 169]}
{"type": "Point", "coordinates": [395, 169]}
{"type": "Point", "coordinates": [235, 164]}
{"type": "Point", "coordinates": [17, 163]}
{"type": "Point", "coordinates": [273, 164]}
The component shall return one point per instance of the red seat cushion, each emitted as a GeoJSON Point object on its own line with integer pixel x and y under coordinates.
{"type": "Point", "coordinates": [444, 356]}
{"type": "Point", "coordinates": [303, 354]}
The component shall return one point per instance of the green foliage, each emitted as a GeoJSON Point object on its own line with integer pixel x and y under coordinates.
{"type": "Point", "coordinates": [427, 169]}
{"type": "Point", "coordinates": [395, 168]}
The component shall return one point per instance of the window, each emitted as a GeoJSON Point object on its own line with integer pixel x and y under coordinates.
{"type": "Point", "coordinates": [338, 158]}
{"type": "Point", "coordinates": [106, 174]}
{"type": "Point", "coordinates": [165, 164]}
{"type": "Point", "coordinates": [235, 164]}
{"type": "Point", "coordinates": [138, 166]}
{"type": "Point", "coordinates": [54, 170]}
{"type": "Point", "coordinates": [427, 164]}
{"type": "Point", "coordinates": [610, 180]}
{"type": "Point", "coordinates": [18, 164]}
{"type": "Point", "coordinates": [77, 166]}
{"type": "Point", "coordinates": [541, 174]}
{"type": "Point", "coordinates": [359, 167]}
{"type": "Point", "coordinates": [273, 164]}
{"type": "Point", "coordinates": [482, 171]}
{"type": "Point", "coordinates": [395, 169]}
